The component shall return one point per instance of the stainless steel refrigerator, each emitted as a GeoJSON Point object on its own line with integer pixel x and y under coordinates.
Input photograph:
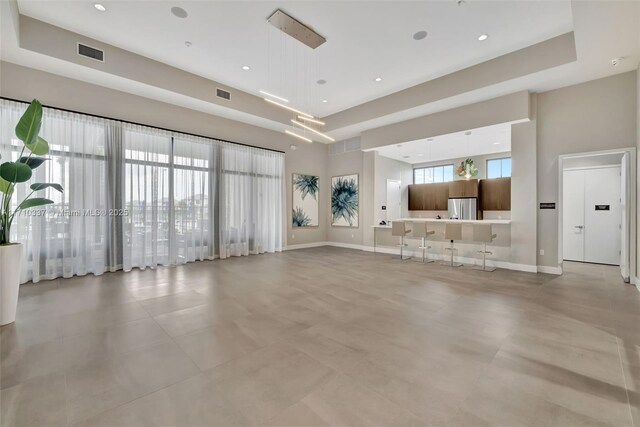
{"type": "Point", "coordinates": [463, 208]}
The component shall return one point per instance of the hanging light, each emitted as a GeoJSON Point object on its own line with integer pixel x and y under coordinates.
{"type": "Point", "coordinates": [306, 119]}
{"type": "Point", "coordinates": [309, 128]}
{"type": "Point", "coordinates": [288, 132]}
{"type": "Point", "coordinates": [288, 108]}
{"type": "Point", "coordinates": [264, 92]}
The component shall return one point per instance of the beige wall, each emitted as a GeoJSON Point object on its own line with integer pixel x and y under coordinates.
{"type": "Point", "coordinates": [25, 84]}
{"type": "Point", "coordinates": [346, 164]}
{"type": "Point", "coordinates": [638, 174]}
{"type": "Point", "coordinates": [523, 189]}
{"type": "Point", "coordinates": [593, 116]}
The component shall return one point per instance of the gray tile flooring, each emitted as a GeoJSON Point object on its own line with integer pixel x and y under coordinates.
{"type": "Point", "coordinates": [324, 336]}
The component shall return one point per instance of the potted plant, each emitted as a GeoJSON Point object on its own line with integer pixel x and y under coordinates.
{"type": "Point", "coordinates": [13, 173]}
{"type": "Point", "coordinates": [467, 169]}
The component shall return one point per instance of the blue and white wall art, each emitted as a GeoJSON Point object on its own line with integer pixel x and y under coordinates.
{"type": "Point", "coordinates": [305, 201]}
{"type": "Point", "coordinates": [344, 201]}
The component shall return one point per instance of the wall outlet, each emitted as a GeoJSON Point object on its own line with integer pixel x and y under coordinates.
{"type": "Point", "coordinates": [541, 251]}
{"type": "Point", "coordinates": [293, 236]}
{"type": "Point", "coordinates": [352, 235]}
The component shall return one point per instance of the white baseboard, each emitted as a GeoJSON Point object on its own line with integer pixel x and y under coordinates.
{"type": "Point", "coordinates": [549, 270]}
{"type": "Point", "coordinates": [346, 245]}
{"type": "Point", "coordinates": [306, 246]}
{"type": "Point", "coordinates": [637, 283]}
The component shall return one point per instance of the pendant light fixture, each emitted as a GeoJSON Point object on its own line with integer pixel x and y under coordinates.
{"type": "Point", "coordinates": [293, 57]}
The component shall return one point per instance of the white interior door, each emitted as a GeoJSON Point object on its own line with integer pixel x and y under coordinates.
{"type": "Point", "coordinates": [602, 218]}
{"type": "Point", "coordinates": [394, 200]}
{"type": "Point", "coordinates": [573, 215]}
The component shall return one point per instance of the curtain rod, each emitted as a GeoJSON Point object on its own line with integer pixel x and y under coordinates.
{"type": "Point", "coordinates": [142, 124]}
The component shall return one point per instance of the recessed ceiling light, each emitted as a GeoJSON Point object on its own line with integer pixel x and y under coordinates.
{"type": "Point", "coordinates": [322, 82]}
{"type": "Point", "coordinates": [430, 139]}
{"type": "Point", "coordinates": [406, 157]}
{"type": "Point", "coordinates": [246, 67]}
{"type": "Point", "coordinates": [179, 12]}
{"type": "Point", "coordinates": [420, 154]}
{"type": "Point", "coordinates": [188, 44]}
{"type": "Point", "coordinates": [100, 7]}
{"type": "Point", "coordinates": [483, 37]}
{"type": "Point", "coordinates": [377, 79]}
{"type": "Point", "coordinates": [420, 35]}
{"type": "Point", "coordinates": [324, 101]}
{"type": "Point", "coordinates": [468, 132]}
{"type": "Point", "coordinates": [496, 143]}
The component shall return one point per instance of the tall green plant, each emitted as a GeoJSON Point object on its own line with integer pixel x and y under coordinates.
{"type": "Point", "coordinates": [20, 171]}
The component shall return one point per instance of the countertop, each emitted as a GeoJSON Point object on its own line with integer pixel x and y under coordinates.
{"type": "Point", "coordinates": [457, 221]}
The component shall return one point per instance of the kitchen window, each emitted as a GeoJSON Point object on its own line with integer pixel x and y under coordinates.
{"type": "Point", "coordinates": [442, 173]}
{"type": "Point", "coordinates": [499, 168]}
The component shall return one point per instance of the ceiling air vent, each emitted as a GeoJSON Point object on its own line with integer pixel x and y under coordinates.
{"type": "Point", "coordinates": [90, 52]}
{"type": "Point", "coordinates": [220, 93]}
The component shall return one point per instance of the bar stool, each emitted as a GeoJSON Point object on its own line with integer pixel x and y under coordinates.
{"type": "Point", "coordinates": [452, 232]}
{"type": "Point", "coordinates": [483, 233]}
{"type": "Point", "coordinates": [399, 229]}
{"type": "Point", "coordinates": [420, 231]}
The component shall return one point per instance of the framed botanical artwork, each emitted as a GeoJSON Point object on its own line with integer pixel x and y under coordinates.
{"type": "Point", "coordinates": [305, 201]}
{"type": "Point", "coordinates": [344, 201]}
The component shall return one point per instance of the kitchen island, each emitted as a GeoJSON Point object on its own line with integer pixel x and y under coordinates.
{"type": "Point", "coordinates": [501, 227]}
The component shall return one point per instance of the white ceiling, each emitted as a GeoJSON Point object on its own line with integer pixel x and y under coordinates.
{"type": "Point", "coordinates": [481, 141]}
{"type": "Point", "coordinates": [364, 40]}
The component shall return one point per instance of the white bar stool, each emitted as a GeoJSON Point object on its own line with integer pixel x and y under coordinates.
{"type": "Point", "coordinates": [452, 232]}
{"type": "Point", "coordinates": [399, 229]}
{"type": "Point", "coordinates": [483, 233]}
{"type": "Point", "coordinates": [420, 231]}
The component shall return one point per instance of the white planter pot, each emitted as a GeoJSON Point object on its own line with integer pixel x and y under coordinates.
{"type": "Point", "coordinates": [10, 266]}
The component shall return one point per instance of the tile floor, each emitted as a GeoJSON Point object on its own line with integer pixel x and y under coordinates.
{"type": "Point", "coordinates": [324, 336]}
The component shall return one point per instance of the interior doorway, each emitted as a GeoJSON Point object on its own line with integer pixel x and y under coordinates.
{"type": "Point", "coordinates": [394, 200]}
{"type": "Point", "coordinates": [597, 205]}
{"type": "Point", "coordinates": [592, 214]}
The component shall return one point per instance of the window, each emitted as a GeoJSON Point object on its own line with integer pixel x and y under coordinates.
{"type": "Point", "coordinates": [136, 196]}
{"type": "Point", "coordinates": [443, 173]}
{"type": "Point", "coordinates": [499, 168]}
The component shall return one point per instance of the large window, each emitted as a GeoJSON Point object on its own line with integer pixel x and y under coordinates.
{"type": "Point", "coordinates": [429, 175]}
{"type": "Point", "coordinates": [137, 197]}
{"type": "Point", "coordinates": [499, 168]}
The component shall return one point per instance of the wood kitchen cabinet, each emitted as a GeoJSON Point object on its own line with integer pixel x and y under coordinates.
{"type": "Point", "coordinates": [463, 188]}
{"type": "Point", "coordinates": [495, 194]}
{"type": "Point", "coordinates": [428, 197]}
{"type": "Point", "coordinates": [415, 197]}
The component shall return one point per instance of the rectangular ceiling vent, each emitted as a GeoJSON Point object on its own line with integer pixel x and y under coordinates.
{"type": "Point", "coordinates": [221, 93]}
{"type": "Point", "coordinates": [345, 146]}
{"type": "Point", "coordinates": [90, 52]}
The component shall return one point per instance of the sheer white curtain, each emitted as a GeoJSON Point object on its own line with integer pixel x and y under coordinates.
{"type": "Point", "coordinates": [69, 237]}
{"type": "Point", "coordinates": [148, 215]}
{"type": "Point", "coordinates": [251, 182]}
{"type": "Point", "coordinates": [137, 197]}
{"type": "Point", "coordinates": [194, 180]}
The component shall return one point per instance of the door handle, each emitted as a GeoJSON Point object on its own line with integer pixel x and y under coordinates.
{"type": "Point", "coordinates": [579, 226]}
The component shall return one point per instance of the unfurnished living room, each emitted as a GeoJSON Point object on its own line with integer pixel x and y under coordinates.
{"type": "Point", "coordinates": [319, 213]}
